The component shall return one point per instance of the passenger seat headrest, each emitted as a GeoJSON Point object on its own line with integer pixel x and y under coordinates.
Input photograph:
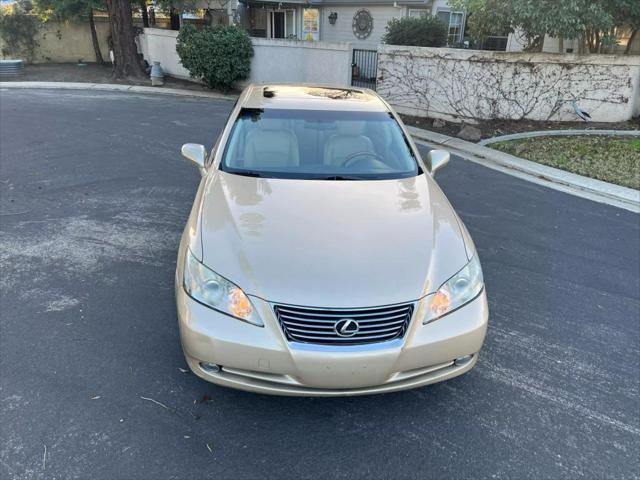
{"type": "Point", "coordinates": [273, 124]}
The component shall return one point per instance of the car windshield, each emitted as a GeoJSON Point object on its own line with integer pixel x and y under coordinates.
{"type": "Point", "coordinates": [318, 144]}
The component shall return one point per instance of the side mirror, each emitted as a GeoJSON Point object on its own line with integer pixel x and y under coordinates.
{"type": "Point", "coordinates": [196, 153]}
{"type": "Point", "coordinates": [438, 159]}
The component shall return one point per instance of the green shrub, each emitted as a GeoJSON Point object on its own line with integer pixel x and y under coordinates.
{"type": "Point", "coordinates": [425, 31]}
{"type": "Point", "coordinates": [219, 55]}
{"type": "Point", "coordinates": [18, 33]}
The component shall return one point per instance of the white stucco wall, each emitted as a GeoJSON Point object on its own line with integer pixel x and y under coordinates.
{"type": "Point", "coordinates": [158, 45]}
{"type": "Point", "coordinates": [515, 42]}
{"type": "Point", "coordinates": [273, 60]}
{"type": "Point", "coordinates": [636, 89]}
{"type": "Point", "coordinates": [298, 61]}
{"type": "Point", "coordinates": [464, 85]}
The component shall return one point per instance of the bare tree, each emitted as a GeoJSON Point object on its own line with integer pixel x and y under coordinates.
{"type": "Point", "coordinates": [94, 37]}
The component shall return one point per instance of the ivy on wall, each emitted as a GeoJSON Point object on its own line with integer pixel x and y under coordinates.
{"type": "Point", "coordinates": [486, 87]}
{"type": "Point", "coordinates": [18, 32]}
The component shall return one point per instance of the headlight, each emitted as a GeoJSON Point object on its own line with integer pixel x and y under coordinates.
{"type": "Point", "coordinates": [209, 288]}
{"type": "Point", "coordinates": [463, 287]}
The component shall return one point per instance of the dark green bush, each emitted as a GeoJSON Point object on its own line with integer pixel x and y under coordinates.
{"type": "Point", "coordinates": [18, 33]}
{"type": "Point", "coordinates": [425, 31]}
{"type": "Point", "coordinates": [219, 55]}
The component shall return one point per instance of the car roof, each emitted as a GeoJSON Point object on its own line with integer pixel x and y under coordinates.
{"type": "Point", "coordinates": [312, 97]}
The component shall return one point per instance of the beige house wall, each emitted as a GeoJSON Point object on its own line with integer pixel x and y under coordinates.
{"type": "Point", "coordinates": [69, 42]}
{"type": "Point", "coordinates": [63, 42]}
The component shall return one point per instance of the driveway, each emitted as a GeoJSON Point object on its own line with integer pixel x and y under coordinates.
{"type": "Point", "coordinates": [93, 197]}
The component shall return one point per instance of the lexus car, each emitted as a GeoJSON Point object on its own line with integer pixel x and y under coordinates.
{"type": "Point", "coordinates": [320, 257]}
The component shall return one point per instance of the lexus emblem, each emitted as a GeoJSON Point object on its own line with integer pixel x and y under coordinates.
{"type": "Point", "coordinates": [346, 327]}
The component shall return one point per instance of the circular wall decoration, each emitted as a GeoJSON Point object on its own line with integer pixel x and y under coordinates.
{"type": "Point", "coordinates": [362, 24]}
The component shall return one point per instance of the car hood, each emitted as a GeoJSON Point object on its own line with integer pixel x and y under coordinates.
{"type": "Point", "coordinates": [335, 244]}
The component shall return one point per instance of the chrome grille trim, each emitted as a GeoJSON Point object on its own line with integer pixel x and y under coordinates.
{"type": "Point", "coordinates": [337, 312]}
{"type": "Point", "coordinates": [316, 325]}
{"type": "Point", "coordinates": [338, 317]}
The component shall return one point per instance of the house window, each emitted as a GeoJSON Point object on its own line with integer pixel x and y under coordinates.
{"type": "Point", "coordinates": [417, 12]}
{"type": "Point", "coordinates": [311, 24]}
{"type": "Point", "coordinates": [258, 22]}
{"type": "Point", "coordinates": [282, 24]}
{"type": "Point", "coordinates": [455, 21]}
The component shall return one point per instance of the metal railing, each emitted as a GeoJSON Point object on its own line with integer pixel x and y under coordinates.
{"type": "Point", "coordinates": [364, 68]}
{"type": "Point", "coordinates": [495, 43]}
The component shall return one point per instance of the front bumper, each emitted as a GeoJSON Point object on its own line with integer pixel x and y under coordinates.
{"type": "Point", "coordinates": [260, 359]}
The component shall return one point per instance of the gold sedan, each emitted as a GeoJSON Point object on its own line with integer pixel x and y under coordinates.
{"type": "Point", "coordinates": [320, 257]}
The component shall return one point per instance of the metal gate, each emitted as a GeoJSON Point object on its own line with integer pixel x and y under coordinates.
{"type": "Point", "coordinates": [364, 68]}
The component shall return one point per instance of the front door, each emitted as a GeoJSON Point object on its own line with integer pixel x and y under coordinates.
{"type": "Point", "coordinates": [277, 25]}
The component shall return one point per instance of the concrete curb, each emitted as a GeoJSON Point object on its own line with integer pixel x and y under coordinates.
{"type": "Point", "coordinates": [114, 87]}
{"type": "Point", "coordinates": [584, 187]}
{"type": "Point", "coordinates": [558, 133]}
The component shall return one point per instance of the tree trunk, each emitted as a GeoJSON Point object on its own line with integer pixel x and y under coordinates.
{"type": "Point", "coordinates": [561, 44]}
{"type": "Point", "coordinates": [174, 18]}
{"type": "Point", "coordinates": [538, 43]}
{"type": "Point", "coordinates": [145, 14]}
{"type": "Point", "coordinates": [596, 43]}
{"type": "Point", "coordinates": [94, 38]}
{"type": "Point", "coordinates": [634, 32]}
{"type": "Point", "coordinates": [125, 52]}
{"type": "Point", "coordinates": [590, 40]}
{"type": "Point", "coordinates": [580, 43]}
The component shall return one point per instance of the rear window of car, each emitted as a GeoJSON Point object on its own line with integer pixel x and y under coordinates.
{"type": "Point", "coordinates": [318, 144]}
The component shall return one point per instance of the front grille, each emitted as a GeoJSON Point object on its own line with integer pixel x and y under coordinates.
{"type": "Point", "coordinates": [321, 325]}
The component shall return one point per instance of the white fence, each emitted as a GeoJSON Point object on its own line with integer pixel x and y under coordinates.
{"type": "Point", "coordinates": [466, 84]}
{"type": "Point", "coordinates": [273, 60]}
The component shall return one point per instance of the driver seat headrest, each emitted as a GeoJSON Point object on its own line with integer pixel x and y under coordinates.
{"type": "Point", "coordinates": [347, 141]}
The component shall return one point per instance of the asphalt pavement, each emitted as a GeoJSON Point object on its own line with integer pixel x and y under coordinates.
{"type": "Point", "coordinates": [93, 199]}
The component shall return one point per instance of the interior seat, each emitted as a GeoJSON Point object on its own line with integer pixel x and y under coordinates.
{"type": "Point", "coordinates": [382, 139]}
{"type": "Point", "coordinates": [348, 140]}
{"type": "Point", "coordinates": [271, 146]}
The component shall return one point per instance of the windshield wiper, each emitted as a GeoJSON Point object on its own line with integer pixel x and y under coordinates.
{"type": "Point", "coordinates": [248, 173]}
{"type": "Point", "coordinates": [340, 177]}
{"type": "Point", "coordinates": [335, 177]}
{"type": "Point", "coordinates": [348, 177]}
